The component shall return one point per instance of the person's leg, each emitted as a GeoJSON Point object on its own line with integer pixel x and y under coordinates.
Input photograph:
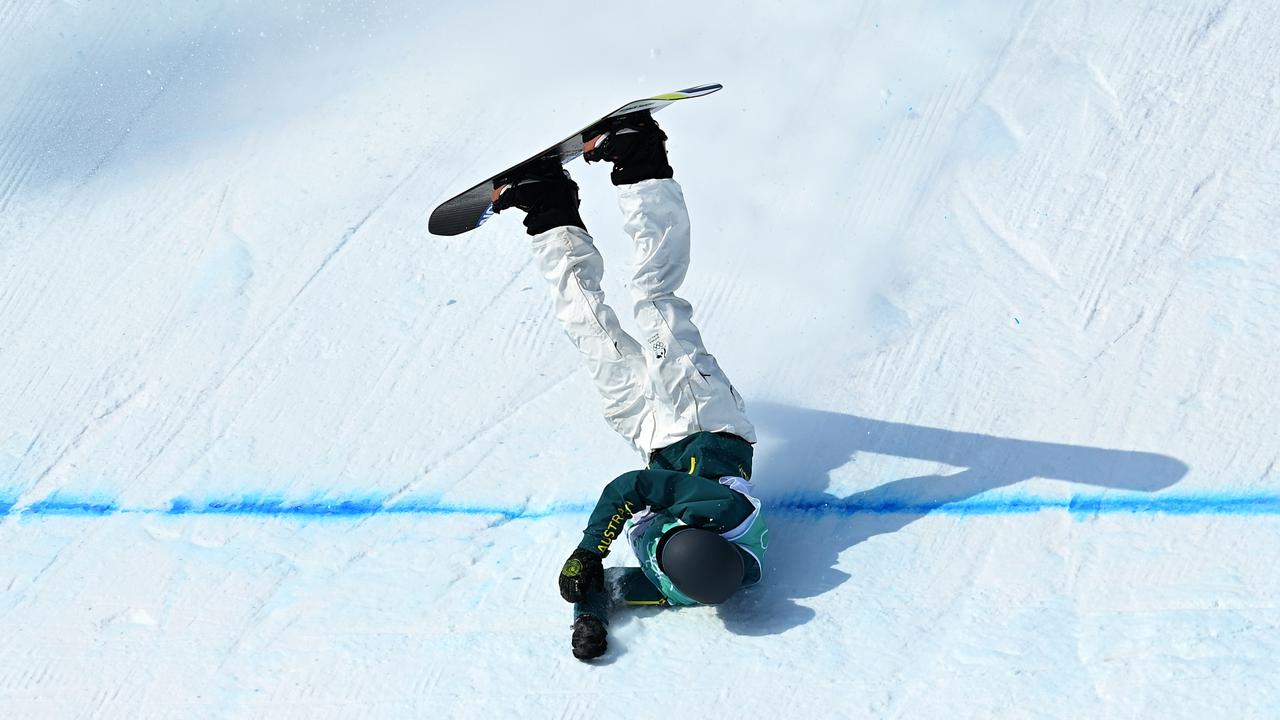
{"type": "Point", "coordinates": [687, 379]}
{"type": "Point", "coordinates": [622, 586]}
{"type": "Point", "coordinates": [573, 268]}
{"type": "Point", "coordinates": [630, 586]}
{"type": "Point", "coordinates": [691, 392]}
{"type": "Point", "coordinates": [568, 259]}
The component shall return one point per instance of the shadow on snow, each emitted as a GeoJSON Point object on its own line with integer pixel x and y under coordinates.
{"type": "Point", "coordinates": [813, 443]}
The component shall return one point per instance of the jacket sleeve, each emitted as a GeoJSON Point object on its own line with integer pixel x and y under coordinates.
{"type": "Point", "coordinates": [697, 501]}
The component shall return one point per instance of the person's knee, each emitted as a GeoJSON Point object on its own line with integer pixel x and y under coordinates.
{"type": "Point", "coordinates": [656, 283]}
{"type": "Point", "coordinates": [565, 252]}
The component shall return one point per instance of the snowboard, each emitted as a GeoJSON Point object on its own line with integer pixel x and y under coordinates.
{"type": "Point", "coordinates": [469, 209]}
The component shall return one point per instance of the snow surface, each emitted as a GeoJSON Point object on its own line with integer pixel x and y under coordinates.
{"type": "Point", "coordinates": [999, 280]}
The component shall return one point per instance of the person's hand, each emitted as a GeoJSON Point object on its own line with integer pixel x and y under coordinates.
{"type": "Point", "coordinates": [582, 573]}
{"type": "Point", "coordinates": [590, 638]}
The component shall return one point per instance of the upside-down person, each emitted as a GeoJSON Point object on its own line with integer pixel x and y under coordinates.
{"type": "Point", "coordinates": [690, 514]}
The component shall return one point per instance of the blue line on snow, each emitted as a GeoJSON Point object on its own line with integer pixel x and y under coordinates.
{"type": "Point", "coordinates": [261, 505]}
{"type": "Point", "coordinates": [64, 506]}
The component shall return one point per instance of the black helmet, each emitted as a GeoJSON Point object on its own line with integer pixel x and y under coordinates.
{"type": "Point", "coordinates": [703, 565]}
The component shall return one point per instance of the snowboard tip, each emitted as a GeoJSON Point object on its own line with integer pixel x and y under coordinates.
{"type": "Point", "coordinates": [695, 91]}
{"type": "Point", "coordinates": [447, 222]}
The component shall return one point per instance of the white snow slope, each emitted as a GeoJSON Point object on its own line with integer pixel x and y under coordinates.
{"type": "Point", "coordinates": [1000, 282]}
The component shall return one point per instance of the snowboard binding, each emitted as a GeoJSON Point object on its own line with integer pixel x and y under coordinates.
{"type": "Point", "coordinates": [633, 143]}
{"type": "Point", "coordinates": [543, 189]}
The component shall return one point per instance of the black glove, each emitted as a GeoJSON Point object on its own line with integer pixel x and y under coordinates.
{"type": "Point", "coordinates": [582, 573]}
{"type": "Point", "coordinates": [589, 638]}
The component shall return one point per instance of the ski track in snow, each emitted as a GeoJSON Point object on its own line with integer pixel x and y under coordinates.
{"type": "Point", "coordinates": [996, 280]}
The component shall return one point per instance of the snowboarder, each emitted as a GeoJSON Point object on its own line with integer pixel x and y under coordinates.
{"type": "Point", "coordinates": [692, 519]}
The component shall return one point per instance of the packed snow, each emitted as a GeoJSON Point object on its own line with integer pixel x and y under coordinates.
{"type": "Point", "coordinates": [999, 280]}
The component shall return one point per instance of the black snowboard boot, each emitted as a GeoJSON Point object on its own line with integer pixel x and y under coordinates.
{"type": "Point", "coordinates": [543, 189]}
{"type": "Point", "coordinates": [589, 635]}
{"type": "Point", "coordinates": [633, 143]}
